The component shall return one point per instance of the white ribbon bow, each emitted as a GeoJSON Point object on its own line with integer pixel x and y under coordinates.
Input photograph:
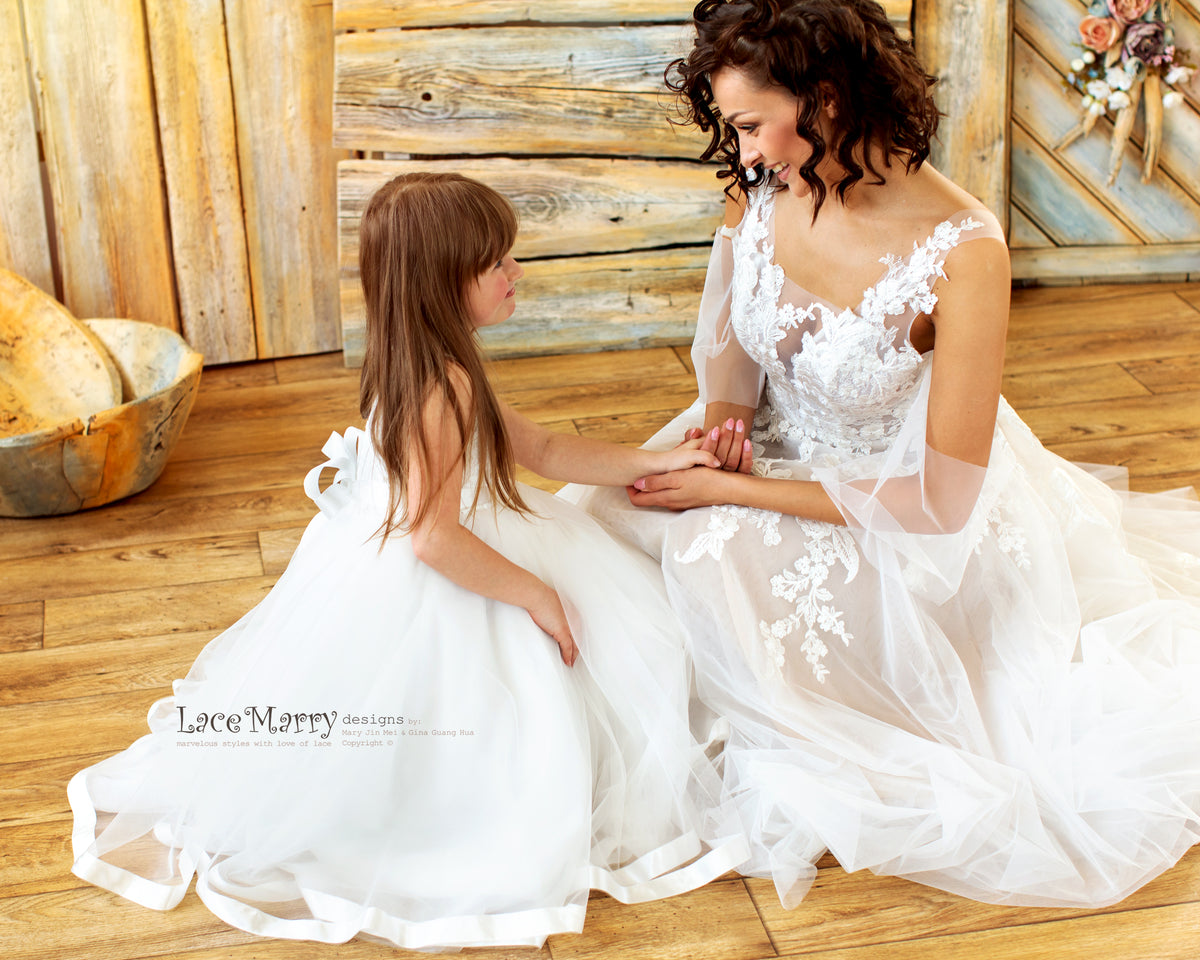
{"type": "Point", "coordinates": [342, 452]}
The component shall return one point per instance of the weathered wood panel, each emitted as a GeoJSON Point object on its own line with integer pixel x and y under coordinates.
{"type": "Point", "coordinates": [1023, 232]}
{"type": "Point", "coordinates": [1059, 205]}
{"type": "Point", "coordinates": [378, 14]}
{"type": "Point", "coordinates": [1109, 263]}
{"type": "Point", "coordinates": [518, 90]}
{"type": "Point", "coordinates": [24, 242]}
{"type": "Point", "coordinates": [567, 206]}
{"type": "Point", "coordinates": [578, 304]}
{"type": "Point", "coordinates": [281, 62]}
{"type": "Point", "coordinates": [92, 74]}
{"type": "Point", "coordinates": [1160, 211]}
{"type": "Point", "coordinates": [204, 196]}
{"type": "Point", "coordinates": [967, 46]}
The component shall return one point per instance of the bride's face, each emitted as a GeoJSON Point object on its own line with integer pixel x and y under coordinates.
{"type": "Point", "coordinates": [491, 297]}
{"type": "Point", "coordinates": [765, 120]}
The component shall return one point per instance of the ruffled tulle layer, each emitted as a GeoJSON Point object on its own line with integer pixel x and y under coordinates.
{"type": "Point", "coordinates": [1012, 716]}
{"type": "Point", "coordinates": [373, 750]}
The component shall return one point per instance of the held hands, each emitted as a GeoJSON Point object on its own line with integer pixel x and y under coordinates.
{"type": "Point", "coordinates": [729, 443]}
{"type": "Point", "coordinates": [547, 612]}
{"type": "Point", "coordinates": [683, 489]}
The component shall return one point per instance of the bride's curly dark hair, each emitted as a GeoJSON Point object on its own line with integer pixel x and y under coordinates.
{"type": "Point", "coordinates": [840, 51]}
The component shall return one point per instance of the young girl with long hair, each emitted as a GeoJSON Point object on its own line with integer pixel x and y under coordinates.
{"type": "Point", "coordinates": [389, 745]}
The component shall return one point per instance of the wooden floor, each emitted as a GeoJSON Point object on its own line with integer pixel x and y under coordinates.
{"type": "Point", "coordinates": [99, 611]}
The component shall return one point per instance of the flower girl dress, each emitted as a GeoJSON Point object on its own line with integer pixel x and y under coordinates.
{"type": "Point", "coordinates": [374, 751]}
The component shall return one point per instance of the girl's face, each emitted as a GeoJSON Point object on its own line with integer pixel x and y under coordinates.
{"type": "Point", "coordinates": [765, 120]}
{"type": "Point", "coordinates": [491, 295]}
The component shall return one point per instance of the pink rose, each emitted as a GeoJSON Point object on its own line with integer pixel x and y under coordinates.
{"type": "Point", "coordinates": [1128, 11]}
{"type": "Point", "coordinates": [1100, 33]}
{"type": "Point", "coordinates": [1150, 43]}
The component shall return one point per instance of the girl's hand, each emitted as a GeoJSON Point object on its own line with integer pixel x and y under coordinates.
{"type": "Point", "coordinates": [728, 443]}
{"type": "Point", "coordinates": [547, 612]}
{"type": "Point", "coordinates": [690, 453]}
{"type": "Point", "coordinates": [678, 490]}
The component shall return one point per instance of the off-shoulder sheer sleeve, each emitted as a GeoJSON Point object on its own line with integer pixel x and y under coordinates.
{"type": "Point", "coordinates": [723, 370]}
{"type": "Point", "coordinates": [917, 511]}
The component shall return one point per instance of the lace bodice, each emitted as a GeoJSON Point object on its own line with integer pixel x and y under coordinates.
{"type": "Point", "coordinates": [843, 379]}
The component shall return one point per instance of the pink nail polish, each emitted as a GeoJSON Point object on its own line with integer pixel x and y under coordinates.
{"type": "Point", "coordinates": [716, 433]}
{"type": "Point", "coordinates": [741, 427]}
{"type": "Point", "coordinates": [729, 424]}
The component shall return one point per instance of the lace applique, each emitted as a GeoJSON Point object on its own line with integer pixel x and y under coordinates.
{"type": "Point", "coordinates": [723, 522]}
{"type": "Point", "coordinates": [804, 585]}
{"type": "Point", "coordinates": [1010, 537]}
{"type": "Point", "coordinates": [848, 380]}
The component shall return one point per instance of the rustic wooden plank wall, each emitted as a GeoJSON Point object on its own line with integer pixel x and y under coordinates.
{"type": "Point", "coordinates": [24, 242]}
{"type": "Point", "coordinates": [561, 107]}
{"type": "Point", "coordinates": [968, 48]}
{"type": "Point", "coordinates": [1068, 224]}
{"type": "Point", "coordinates": [189, 166]}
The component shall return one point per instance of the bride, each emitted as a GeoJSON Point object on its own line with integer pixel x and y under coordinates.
{"type": "Point", "coordinates": [936, 649]}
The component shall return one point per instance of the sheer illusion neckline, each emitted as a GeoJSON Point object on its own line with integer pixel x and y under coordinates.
{"type": "Point", "coordinates": [889, 262]}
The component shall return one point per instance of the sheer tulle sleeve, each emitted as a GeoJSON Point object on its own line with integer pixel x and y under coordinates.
{"type": "Point", "coordinates": [919, 512]}
{"type": "Point", "coordinates": [723, 371]}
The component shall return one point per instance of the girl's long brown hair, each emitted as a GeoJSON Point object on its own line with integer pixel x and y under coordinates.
{"type": "Point", "coordinates": [424, 238]}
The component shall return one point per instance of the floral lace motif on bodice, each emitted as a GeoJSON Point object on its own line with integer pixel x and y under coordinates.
{"type": "Point", "coordinates": [844, 379]}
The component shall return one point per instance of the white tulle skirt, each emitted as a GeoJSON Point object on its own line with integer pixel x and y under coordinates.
{"type": "Point", "coordinates": [1030, 736]}
{"type": "Point", "coordinates": [374, 751]}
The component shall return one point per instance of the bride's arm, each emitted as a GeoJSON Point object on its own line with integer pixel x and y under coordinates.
{"type": "Point", "coordinates": [970, 323]}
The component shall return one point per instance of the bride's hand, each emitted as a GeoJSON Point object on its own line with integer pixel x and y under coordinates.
{"type": "Point", "coordinates": [678, 490]}
{"type": "Point", "coordinates": [730, 445]}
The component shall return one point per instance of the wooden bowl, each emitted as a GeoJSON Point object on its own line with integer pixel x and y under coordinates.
{"type": "Point", "coordinates": [114, 452]}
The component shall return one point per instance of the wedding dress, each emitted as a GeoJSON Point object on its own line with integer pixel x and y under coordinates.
{"type": "Point", "coordinates": [988, 681]}
{"type": "Point", "coordinates": [375, 751]}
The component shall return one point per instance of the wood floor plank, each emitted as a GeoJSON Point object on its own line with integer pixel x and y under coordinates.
{"type": "Point", "coordinates": [717, 922]}
{"type": "Point", "coordinates": [354, 950]}
{"type": "Point", "coordinates": [1091, 348]}
{"type": "Point", "coordinates": [235, 376]}
{"type": "Point", "coordinates": [317, 366]}
{"type": "Point", "coordinates": [35, 791]}
{"type": "Point", "coordinates": [1135, 416]}
{"type": "Point", "coordinates": [138, 522]}
{"type": "Point", "coordinates": [21, 625]}
{"type": "Point", "coordinates": [1162, 933]}
{"type": "Point", "coordinates": [1086, 316]}
{"type": "Point", "coordinates": [106, 723]}
{"type": "Point", "coordinates": [1074, 293]}
{"type": "Point", "coordinates": [99, 925]}
{"type": "Point", "coordinates": [36, 858]}
{"type": "Point", "coordinates": [630, 428]}
{"type": "Point", "coordinates": [831, 916]}
{"type": "Point", "coordinates": [199, 478]}
{"type": "Point", "coordinates": [175, 608]}
{"type": "Point", "coordinates": [530, 373]}
{"type": "Point", "coordinates": [1167, 374]}
{"type": "Point", "coordinates": [575, 402]}
{"type": "Point", "coordinates": [110, 666]}
{"type": "Point", "coordinates": [1191, 294]}
{"type": "Point", "coordinates": [1107, 381]}
{"type": "Point", "coordinates": [1167, 454]}
{"type": "Point", "coordinates": [127, 568]}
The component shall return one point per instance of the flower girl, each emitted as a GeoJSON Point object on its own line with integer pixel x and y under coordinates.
{"type": "Point", "coordinates": [463, 705]}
